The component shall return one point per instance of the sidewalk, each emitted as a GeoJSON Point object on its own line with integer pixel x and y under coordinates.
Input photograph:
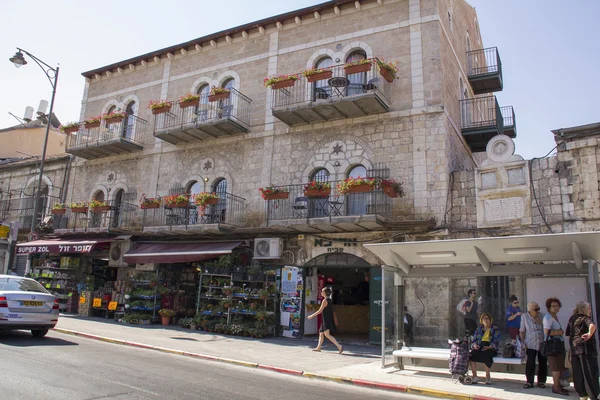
{"type": "Point", "coordinates": [359, 365]}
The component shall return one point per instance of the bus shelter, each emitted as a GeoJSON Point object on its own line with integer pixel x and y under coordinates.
{"type": "Point", "coordinates": [557, 257]}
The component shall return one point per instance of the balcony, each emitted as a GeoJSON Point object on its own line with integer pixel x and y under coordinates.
{"type": "Point", "coordinates": [509, 120]}
{"type": "Point", "coordinates": [481, 120]}
{"type": "Point", "coordinates": [338, 97]}
{"type": "Point", "coordinates": [108, 139]}
{"type": "Point", "coordinates": [352, 212]}
{"type": "Point", "coordinates": [21, 210]}
{"type": "Point", "coordinates": [119, 218]}
{"type": "Point", "coordinates": [485, 70]}
{"type": "Point", "coordinates": [208, 120]}
{"type": "Point", "coordinates": [227, 214]}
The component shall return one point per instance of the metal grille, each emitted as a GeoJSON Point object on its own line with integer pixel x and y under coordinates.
{"type": "Point", "coordinates": [379, 170]}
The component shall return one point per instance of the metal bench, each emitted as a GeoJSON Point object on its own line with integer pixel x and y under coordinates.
{"type": "Point", "coordinates": [429, 353]}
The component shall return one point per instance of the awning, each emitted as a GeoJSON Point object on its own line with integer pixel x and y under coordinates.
{"type": "Point", "coordinates": [177, 252]}
{"type": "Point", "coordinates": [73, 246]}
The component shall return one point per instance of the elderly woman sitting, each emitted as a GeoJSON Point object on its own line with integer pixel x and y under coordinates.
{"type": "Point", "coordinates": [485, 346]}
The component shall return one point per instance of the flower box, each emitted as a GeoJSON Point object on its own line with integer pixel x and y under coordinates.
{"type": "Point", "coordinates": [150, 205]}
{"type": "Point", "coordinates": [189, 103]}
{"type": "Point", "coordinates": [211, 201]}
{"type": "Point", "coordinates": [100, 209]}
{"type": "Point", "coordinates": [320, 76]}
{"type": "Point", "coordinates": [317, 192]}
{"type": "Point", "coordinates": [90, 125]}
{"type": "Point", "coordinates": [71, 129]}
{"type": "Point", "coordinates": [277, 196]}
{"type": "Point", "coordinates": [218, 96]}
{"type": "Point", "coordinates": [283, 84]}
{"type": "Point", "coordinates": [387, 74]}
{"type": "Point", "coordinates": [113, 120]}
{"type": "Point", "coordinates": [356, 69]}
{"type": "Point", "coordinates": [59, 211]}
{"type": "Point", "coordinates": [390, 192]}
{"type": "Point", "coordinates": [360, 188]}
{"type": "Point", "coordinates": [161, 110]}
{"type": "Point", "coordinates": [81, 210]}
{"type": "Point", "coordinates": [182, 204]}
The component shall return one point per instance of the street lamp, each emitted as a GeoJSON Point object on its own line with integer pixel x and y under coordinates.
{"type": "Point", "coordinates": [52, 74]}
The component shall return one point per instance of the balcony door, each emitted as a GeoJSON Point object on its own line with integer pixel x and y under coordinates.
{"type": "Point", "coordinates": [321, 89]}
{"type": "Point", "coordinates": [203, 107]}
{"type": "Point", "coordinates": [356, 203]}
{"type": "Point", "coordinates": [357, 82]}
{"type": "Point", "coordinates": [117, 211]}
{"type": "Point", "coordinates": [27, 204]}
{"type": "Point", "coordinates": [225, 109]}
{"type": "Point", "coordinates": [193, 188]}
{"type": "Point", "coordinates": [319, 206]}
{"type": "Point", "coordinates": [220, 188]}
{"type": "Point", "coordinates": [96, 219]}
{"type": "Point", "coordinates": [129, 121]}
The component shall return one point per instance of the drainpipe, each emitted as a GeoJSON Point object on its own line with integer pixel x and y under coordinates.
{"type": "Point", "coordinates": [66, 177]}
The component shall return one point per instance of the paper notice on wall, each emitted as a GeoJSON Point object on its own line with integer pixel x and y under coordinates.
{"type": "Point", "coordinates": [284, 319]}
{"type": "Point", "coordinates": [289, 281]}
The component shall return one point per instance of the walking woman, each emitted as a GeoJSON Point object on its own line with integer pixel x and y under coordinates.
{"type": "Point", "coordinates": [485, 347]}
{"type": "Point", "coordinates": [532, 335]}
{"type": "Point", "coordinates": [584, 358]}
{"type": "Point", "coordinates": [552, 328]}
{"type": "Point", "coordinates": [328, 323]}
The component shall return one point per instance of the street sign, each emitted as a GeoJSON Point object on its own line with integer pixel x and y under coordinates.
{"type": "Point", "coordinates": [33, 236]}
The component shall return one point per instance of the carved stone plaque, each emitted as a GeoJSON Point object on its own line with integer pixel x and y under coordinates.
{"type": "Point", "coordinates": [509, 208]}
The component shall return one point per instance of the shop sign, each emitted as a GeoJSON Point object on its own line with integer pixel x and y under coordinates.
{"type": "Point", "coordinates": [97, 302]}
{"type": "Point", "coordinates": [112, 306]}
{"type": "Point", "coordinates": [82, 300]}
{"type": "Point", "coordinates": [336, 245]}
{"type": "Point", "coordinates": [4, 231]}
{"type": "Point", "coordinates": [55, 248]}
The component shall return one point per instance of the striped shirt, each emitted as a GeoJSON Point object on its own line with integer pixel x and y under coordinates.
{"type": "Point", "coordinates": [534, 331]}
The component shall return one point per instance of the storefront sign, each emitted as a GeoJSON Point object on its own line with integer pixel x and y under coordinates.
{"type": "Point", "coordinates": [97, 302]}
{"type": "Point", "coordinates": [4, 231]}
{"type": "Point", "coordinates": [336, 245]}
{"type": "Point", "coordinates": [82, 300]}
{"type": "Point", "coordinates": [112, 306]}
{"type": "Point", "coordinates": [55, 248]}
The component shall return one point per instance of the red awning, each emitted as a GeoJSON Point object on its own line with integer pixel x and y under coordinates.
{"type": "Point", "coordinates": [177, 252]}
{"type": "Point", "coordinates": [73, 246]}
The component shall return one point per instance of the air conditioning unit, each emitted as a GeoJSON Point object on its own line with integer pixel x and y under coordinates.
{"type": "Point", "coordinates": [265, 248]}
{"type": "Point", "coordinates": [117, 249]}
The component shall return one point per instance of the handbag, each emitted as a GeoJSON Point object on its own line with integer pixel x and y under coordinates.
{"type": "Point", "coordinates": [508, 351]}
{"type": "Point", "coordinates": [552, 346]}
{"type": "Point", "coordinates": [520, 349]}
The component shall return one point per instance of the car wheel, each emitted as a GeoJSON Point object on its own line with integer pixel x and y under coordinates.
{"type": "Point", "coordinates": [39, 332]}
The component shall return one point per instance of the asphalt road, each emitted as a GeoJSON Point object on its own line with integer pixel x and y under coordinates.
{"type": "Point", "coordinates": [64, 367]}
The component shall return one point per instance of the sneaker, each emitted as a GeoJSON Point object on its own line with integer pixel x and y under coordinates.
{"type": "Point", "coordinates": [564, 383]}
{"type": "Point", "coordinates": [475, 380]}
{"type": "Point", "coordinates": [488, 381]}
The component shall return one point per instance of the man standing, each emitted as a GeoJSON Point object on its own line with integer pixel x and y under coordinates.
{"type": "Point", "coordinates": [471, 312]}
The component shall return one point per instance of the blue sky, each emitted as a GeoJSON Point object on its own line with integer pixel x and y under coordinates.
{"type": "Point", "coordinates": [549, 49]}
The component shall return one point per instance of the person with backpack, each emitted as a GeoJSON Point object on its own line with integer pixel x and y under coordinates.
{"type": "Point", "coordinates": [470, 311]}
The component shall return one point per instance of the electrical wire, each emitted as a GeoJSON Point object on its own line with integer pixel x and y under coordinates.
{"type": "Point", "coordinates": [537, 203]}
{"type": "Point", "coordinates": [421, 301]}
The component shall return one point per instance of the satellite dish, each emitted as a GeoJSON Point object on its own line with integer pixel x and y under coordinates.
{"type": "Point", "coordinates": [54, 121]}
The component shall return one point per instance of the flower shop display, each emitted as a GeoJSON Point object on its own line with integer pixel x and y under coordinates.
{"type": "Point", "coordinates": [189, 100]}
{"type": "Point", "coordinates": [387, 69]}
{"type": "Point", "coordinates": [274, 193]}
{"type": "Point", "coordinates": [355, 67]}
{"type": "Point", "coordinates": [160, 106]}
{"type": "Point", "coordinates": [317, 189]}
{"type": "Point", "coordinates": [92, 122]}
{"type": "Point", "coordinates": [176, 201]}
{"type": "Point", "coordinates": [204, 199]}
{"type": "Point", "coordinates": [317, 74]}
{"type": "Point", "coordinates": [98, 206]}
{"type": "Point", "coordinates": [149, 202]}
{"type": "Point", "coordinates": [71, 127]}
{"type": "Point", "coordinates": [218, 93]}
{"type": "Point", "coordinates": [59, 208]}
{"type": "Point", "coordinates": [357, 185]}
{"type": "Point", "coordinates": [281, 81]}
{"type": "Point", "coordinates": [166, 315]}
{"type": "Point", "coordinates": [114, 117]}
{"type": "Point", "coordinates": [79, 207]}
{"type": "Point", "coordinates": [392, 188]}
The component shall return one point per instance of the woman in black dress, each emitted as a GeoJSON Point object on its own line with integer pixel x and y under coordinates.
{"type": "Point", "coordinates": [328, 324]}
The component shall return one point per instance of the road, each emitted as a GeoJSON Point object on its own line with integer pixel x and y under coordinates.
{"type": "Point", "coordinates": [64, 367]}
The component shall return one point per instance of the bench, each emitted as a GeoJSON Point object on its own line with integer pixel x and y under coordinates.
{"type": "Point", "coordinates": [429, 353]}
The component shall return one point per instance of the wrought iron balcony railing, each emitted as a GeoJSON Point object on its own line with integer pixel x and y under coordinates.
{"type": "Point", "coordinates": [228, 210]}
{"type": "Point", "coordinates": [117, 215]}
{"type": "Point", "coordinates": [481, 112]}
{"type": "Point", "coordinates": [509, 120]}
{"type": "Point", "coordinates": [21, 210]}
{"type": "Point", "coordinates": [299, 206]}
{"type": "Point", "coordinates": [485, 70]}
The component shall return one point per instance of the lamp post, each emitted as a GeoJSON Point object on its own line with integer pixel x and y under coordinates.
{"type": "Point", "coordinates": [52, 74]}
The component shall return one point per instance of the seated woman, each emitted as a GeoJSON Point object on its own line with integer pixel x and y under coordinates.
{"type": "Point", "coordinates": [484, 346]}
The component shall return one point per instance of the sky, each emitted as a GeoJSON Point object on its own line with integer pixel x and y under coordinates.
{"type": "Point", "coordinates": [549, 49]}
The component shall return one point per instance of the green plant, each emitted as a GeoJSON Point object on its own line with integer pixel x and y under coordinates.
{"type": "Point", "coordinates": [153, 104]}
{"type": "Point", "coordinates": [166, 312]}
{"type": "Point", "coordinates": [59, 206]}
{"type": "Point", "coordinates": [269, 190]}
{"type": "Point", "coordinates": [114, 114]}
{"type": "Point", "coordinates": [64, 127]}
{"type": "Point", "coordinates": [269, 81]}
{"type": "Point", "coordinates": [146, 201]}
{"type": "Point", "coordinates": [314, 71]}
{"type": "Point", "coordinates": [97, 203]}
{"type": "Point", "coordinates": [358, 62]}
{"type": "Point", "coordinates": [78, 205]}
{"type": "Point", "coordinates": [316, 185]}
{"type": "Point", "coordinates": [175, 199]}
{"type": "Point", "coordinates": [218, 90]}
{"type": "Point", "coordinates": [189, 97]}
{"type": "Point", "coordinates": [263, 294]}
{"type": "Point", "coordinates": [396, 186]}
{"type": "Point", "coordinates": [260, 315]}
{"type": "Point", "coordinates": [344, 186]}
{"type": "Point", "coordinates": [93, 120]}
{"type": "Point", "coordinates": [390, 66]}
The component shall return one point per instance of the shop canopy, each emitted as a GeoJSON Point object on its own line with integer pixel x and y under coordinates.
{"type": "Point", "coordinates": [56, 246]}
{"type": "Point", "coordinates": [169, 253]}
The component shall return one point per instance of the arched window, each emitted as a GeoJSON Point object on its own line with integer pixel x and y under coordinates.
{"type": "Point", "coordinates": [225, 106]}
{"type": "Point", "coordinates": [27, 203]}
{"type": "Point", "coordinates": [357, 81]}
{"type": "Point", "coordinates": [117, 215]}
{"type": "Point", "coordinates": [219, 213]}
{"type": "Point", "coordinates": [228, 83]}
{"type": "Point", "coordinates": [320, 175]}
{"type": "Point", "coordinates": [321, 89]}
{"type": "Point", "coordinates": [220, 186]}
{"type": "Point", "coordinates": [129, 122]}
{"type": "Point", "coordinates": [111, 109]}
{"type": "Point", "coordinates": [194, 187]}
{"type": "Point", "coordinates": [319, 206]}
{"type": "Point", "coordinates": [356, 203]}
{"type": "Point", "coordinates": [201, 110]}
{"type": "Point", "coordinates": [97, 218]}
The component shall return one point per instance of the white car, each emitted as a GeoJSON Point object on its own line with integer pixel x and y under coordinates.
{"type": "Point", "coordinates": [26, 305]}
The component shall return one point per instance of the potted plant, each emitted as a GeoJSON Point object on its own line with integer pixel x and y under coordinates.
{"type": "Point", "coordinates": [79, 207]}
{"type": "Point", "coordinates": [355, 67]}
{"type": "Point", "coordinates": [92, 122]}
{"type": "Point", "coordinates": [98, 206]}
{"type": "Point", "coordinates": [189, 100]}
{"type": "Point", "coordinates": [160, 106]}
{"type": "Point", "coordinates": [71, 127]}
{"type": "Point", "coordinates": [274, 193]}
{"type": "Point", "coordinates": [317, 74]}
{"type": "Point", "coordinates": [263, 294]}
{"type": "Point", "coordinates": [218, 93]}
{"type": "Point", "coordinates": [114, 117]}
{"type": "Point", "coordinates": [317, 189]}
{"type": "Point", "coordinates": [149, 202]}
{"type": "Point", "coordinates": [166, 314]}
{"type": "Point", "coordinates": [260, 315]}
{"type": "Point", "coordinates": [204, 199]}
{"type": "Point", "coordinates": [356, 185]}
{"type": "Point", "coordinates": [392, 188]}
{"type": "Point", "coordinates": [59, 208]}
{"type": "Point", "coordinates": [176, 201]}
{"type": "Point", "coordinates": [281, 81]}
{"type": "Point", "coordinates": [387, 69]}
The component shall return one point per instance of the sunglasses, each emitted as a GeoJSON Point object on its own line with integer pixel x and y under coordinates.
{"type": "Point", "coordinates": [515, 302]}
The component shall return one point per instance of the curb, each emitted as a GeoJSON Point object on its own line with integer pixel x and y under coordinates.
{"type": "Point", "coordinates": [338, 379]}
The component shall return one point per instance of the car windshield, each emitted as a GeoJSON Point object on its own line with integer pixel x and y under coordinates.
{"type": "Point", "coordinates": [20, 284]}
